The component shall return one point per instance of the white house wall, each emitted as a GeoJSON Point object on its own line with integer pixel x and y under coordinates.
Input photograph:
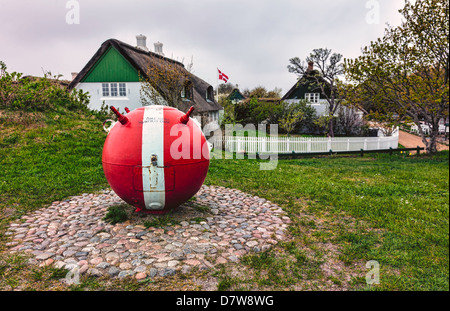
{"type": "Point", "coordinates": [132, 100]}
{"type": "Point", "coordinates": [321, 108]}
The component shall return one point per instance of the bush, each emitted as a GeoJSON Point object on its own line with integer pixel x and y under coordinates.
{"type": "Point", "coordinates": [348, 123]}
{"type": "Point", "coordinates": [253, 112]}
{"type": "Point", "coordinates": [33, 94]}
{"type": "Point", "coordinates": [296, 117]}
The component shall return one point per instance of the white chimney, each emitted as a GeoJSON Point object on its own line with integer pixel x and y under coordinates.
{"type": "Point", "coordinates": [159, 48]}
{"type": "Point", "coordinates": [74, 74]}
{"type": "Point", "coordinates": [141, 42]}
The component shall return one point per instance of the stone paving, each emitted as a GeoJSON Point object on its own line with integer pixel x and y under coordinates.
{"type": "Point", "coordinates": [72, 234]}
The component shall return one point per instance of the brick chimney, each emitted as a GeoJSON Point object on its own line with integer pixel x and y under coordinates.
{"type": "Point", "coordinates": [310, 66]}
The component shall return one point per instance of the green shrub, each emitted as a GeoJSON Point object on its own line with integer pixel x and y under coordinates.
{"type": "Point", "coordinates": [33, 94]}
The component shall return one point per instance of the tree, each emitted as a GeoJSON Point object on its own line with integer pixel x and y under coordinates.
{"type": "Point", "coordinates": [326, 77]}
{"type": "Point", "coordinates": [228, 116]}
{"type": "Point", "coordinates": [321, 123]}
{"type": "Point", "coordinates": [268, 112]}
{"type": "Point", "coordinates": [348, 122]}
{"type": "Point", "coordinates": [261, 92]}
{"type": "Point", "coordinates": [226, 88]}
{"type": "Point", "coordinates": [244, 112]}
{"type": "Point", "coordinates": [275, 93]}
{"type": "Point", "coordinates": [165, 82]}
{"type": "Point", "coordinates": [405, 73]}
{"type": "Point", "coordinates": [258, 92]}
{"type": "Point", "coordinates": [295, 116]}
{"type": "Point", "coordinates": [292, 116]}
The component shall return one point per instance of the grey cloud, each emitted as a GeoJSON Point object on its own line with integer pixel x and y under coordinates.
{"type": "Point", "coordinates": [251, 41]}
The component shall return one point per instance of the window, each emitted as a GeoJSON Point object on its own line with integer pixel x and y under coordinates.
{"type": "Point", "coordinates": [105, 89]}
{"type": "Point", "coordinates": [313, 98]}
{"type": "Point", "coordinates": [188, 91]}
{"type": "Point", "coordinates": [214, 115]}
{"type": "Point", "coordinates": [210, 93]}
{"type": "Point", "coordinates": [114, 89]}
{"type": "Point", "coordinates": [122, 89]}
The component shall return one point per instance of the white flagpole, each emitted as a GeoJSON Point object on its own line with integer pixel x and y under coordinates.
{"type": "Point", "coordinates": [217, 89]}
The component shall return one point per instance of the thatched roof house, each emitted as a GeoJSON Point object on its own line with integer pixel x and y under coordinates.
{"type": "Point", "coordinates": [114, 74]}
{"type": "Point", "coordinates": [236, 96]}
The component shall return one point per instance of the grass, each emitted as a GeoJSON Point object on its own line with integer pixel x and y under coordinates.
{"type": "Point", "coordinates": [116, 214]}
{"type": "Point", "coordinates": [49, 160]}
{"type": "Point", "coordinates": [393, 209]}
{"type": "Point", "coordinates": [161, 221]}
{"type": "Point", "coordinates": [345, 211]}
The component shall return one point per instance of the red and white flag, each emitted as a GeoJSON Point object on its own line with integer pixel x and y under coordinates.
{"type": "Point", "coordinates": [222, 76]}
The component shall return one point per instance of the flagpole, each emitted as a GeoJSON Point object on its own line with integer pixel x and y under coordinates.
{"type": "Point", "coordinates": [217, 89]}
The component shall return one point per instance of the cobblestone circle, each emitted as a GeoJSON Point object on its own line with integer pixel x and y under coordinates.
{"type": "Point", "coordinates": [72, 234]}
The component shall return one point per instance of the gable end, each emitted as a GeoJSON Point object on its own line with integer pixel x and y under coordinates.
{"type": "Point", "coordinates": [111, 67]}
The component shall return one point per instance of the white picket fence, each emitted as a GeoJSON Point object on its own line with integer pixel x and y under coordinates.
{"type": "Point", "coordinates": [303, 144]}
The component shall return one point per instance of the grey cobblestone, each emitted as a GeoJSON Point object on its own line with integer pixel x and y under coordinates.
{"type": "Point", "coordinates": [73, 232]}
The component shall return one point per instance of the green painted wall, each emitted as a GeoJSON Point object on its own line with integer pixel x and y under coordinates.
{"type": "Point", "coordinates": [112, 67]}
{"type": "Point", "coordinates": [236, 95]}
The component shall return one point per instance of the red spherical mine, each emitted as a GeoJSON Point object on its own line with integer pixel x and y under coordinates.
{"type": "Point", "coordinates": [155, 158]}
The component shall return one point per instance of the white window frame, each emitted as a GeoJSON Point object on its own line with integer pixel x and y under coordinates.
{"type": "Point", "coordinates": [214, 116]}
{"type": "Point", "coordinates": [105, 89]}
{"type": "Point", "coordinates": [114, 90]}
{"type": "Point", "coordinates": [313, 98]}
{"type": "Point", "coordinates": [122, 89]}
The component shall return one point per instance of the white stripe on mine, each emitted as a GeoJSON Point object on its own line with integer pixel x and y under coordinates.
{"type": "Point", "coordinates": [153, 144]}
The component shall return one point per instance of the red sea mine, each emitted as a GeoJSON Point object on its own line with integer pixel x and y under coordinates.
{"type": "Point", "coordinates": [155, 157]}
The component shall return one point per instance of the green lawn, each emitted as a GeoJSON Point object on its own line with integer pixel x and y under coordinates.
{"type": "Point", "coordinates": [49, 160]}
{"type": "Point", "coordinates": [346, 210]}
{"type": "Point", "coordinates": [392, 209]}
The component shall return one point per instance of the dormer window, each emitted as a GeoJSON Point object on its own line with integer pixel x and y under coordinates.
{"type": "Point", "coordinates": [313, 98]}
{"type": "Point", "coordinates": [188, 91]}
{"type": "Point", "coordinates": [210, 93]}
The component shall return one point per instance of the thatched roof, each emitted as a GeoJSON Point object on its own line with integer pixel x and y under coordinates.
{"type": "Point", "coordinates": [142, 60]}
{"type": "Point", "coordinates": [306, 84]}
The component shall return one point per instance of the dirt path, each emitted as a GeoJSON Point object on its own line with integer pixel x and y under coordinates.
{"type": "Point", "coordinates": [411, 141]}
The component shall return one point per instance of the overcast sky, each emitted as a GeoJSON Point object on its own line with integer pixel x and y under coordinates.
{"type": "Point", "coordinates": [250, 41]}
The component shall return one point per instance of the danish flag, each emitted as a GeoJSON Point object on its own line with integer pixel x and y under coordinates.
{"type": "Point", "coordinates": [223, 76]}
